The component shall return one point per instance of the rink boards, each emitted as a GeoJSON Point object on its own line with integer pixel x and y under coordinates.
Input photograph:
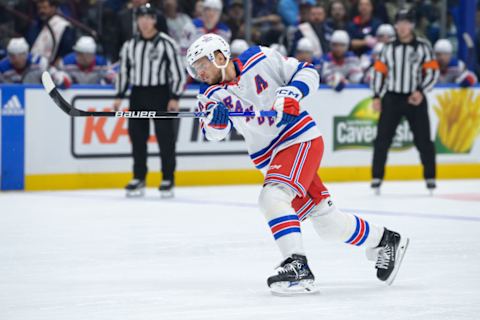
{"type": "Point", "coordinates": [42, 148]}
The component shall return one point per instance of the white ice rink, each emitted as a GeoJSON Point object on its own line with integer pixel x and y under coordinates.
{"type": "Point", "coordinates": [206, 255]}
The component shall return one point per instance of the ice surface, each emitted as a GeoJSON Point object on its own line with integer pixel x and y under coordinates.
{"type": "Point", "coordinates": [207, 254]}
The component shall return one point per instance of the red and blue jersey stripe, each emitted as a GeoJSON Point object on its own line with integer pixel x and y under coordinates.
{"type": "Point", "coordinates": [209, 90]}
{"type": "Point", "coordinates": [302, 124]}
{"type": "Point", "coordinates": [361, 232]}
{"type": "Point", "coordinates": [284, 225]}
{"type": "Point", "coordinates": [249, 58]}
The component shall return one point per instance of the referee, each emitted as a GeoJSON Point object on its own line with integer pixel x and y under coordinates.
{"type": "Point", "coordinates": [404, 71]}
{"type": "Point", "coordinates": [151, 64]}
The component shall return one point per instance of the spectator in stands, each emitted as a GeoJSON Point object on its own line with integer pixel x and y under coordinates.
{"type": "Point", "coordinates": [337, 18]}
{"type": "Point", "coordinates": [380, 10]}
{"type": "Point", "coordinates": [22, 67]}
{"type": "Point", "coordinates": [452, 70]}
{"type": "Point", "coordinates": [235, 19]}
{"type": "Point", "coordinates": [51, 36]}
{"type": "Point", "coordinates": [209, 22]}
{"type": "Point", "coordinates": [127, 28]}
{"type": "Point", "coordinates": [289, 11]}
{"type": "Point", "coordinates": [314, 30]}
{"type": "Point", "coordinates": [362, 28]}
{"type": "Point", "coordinates": [237, 47]}
{"type": "Point", "coordinates": [340, 66]}
{"type": "Point", "coordinates": [264, 9]}
{"type": "Point", "coordinates": [84, 66]}
{"type": "Point", "coordinates": [267, 26]}
{"type": "Point", "coordinates": [305, 52]}
{"type": "Point", "coordinates": [198, 9]}
{"type": "Point", "coordinates": [180, 25]}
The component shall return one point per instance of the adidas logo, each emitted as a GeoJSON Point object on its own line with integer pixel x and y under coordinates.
{"type": "Point", "coordinates": [13, 107]}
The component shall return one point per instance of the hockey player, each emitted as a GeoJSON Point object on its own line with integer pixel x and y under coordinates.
{"type": "Point", "coordinates": [367, 62]}
{"type": "Point", "coordinates": [288, 150]}
{"type": "Point", "coordinates": [20, 66]}
{"type": "Point", "coordinates": [209, 21]}
{"type": "Point", "coordinates": [385, 33]}
{"type": "Point", "coordinates": [452, 70]}
{"type": "Point", "coordinates": [304, 52]}
{"type": "Point", "coordinates": [238, 46]}
{"type": "Point", "coordinates": [340, 66]}
{"type": "Point", "coordinates": [84, 66]}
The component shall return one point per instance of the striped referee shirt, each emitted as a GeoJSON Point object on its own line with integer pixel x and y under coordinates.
{"type": "Point", "coordinates": [405, 68]}
{"type": "Point", "coordinates": [150, 62]}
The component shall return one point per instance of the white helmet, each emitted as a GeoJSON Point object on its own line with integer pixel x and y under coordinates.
{"type": "Point", "coordinates": [85, 44]}
{"type": "Point", "coordinates": [280, 48]}
{"type": "Point", "coordinates": [341, 37]}
{"type": "Point", "coordinates": [213, 4]}
{"type": "Point", "coordinates": [17, 46]}
{"type": "Point", "coordinates": [238, 46]}
{"type": "Point", "coordinates": [305, 45]}
{"type": "Point", "coordinates": [443, 46]}
{"type": "Point", "coordinates": [386, 30]}
{"type": "Point", "coordinates": [206, 46]}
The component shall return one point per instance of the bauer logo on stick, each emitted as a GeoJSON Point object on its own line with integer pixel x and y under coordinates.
{"type": "Point", "coordinates": [135, 114]}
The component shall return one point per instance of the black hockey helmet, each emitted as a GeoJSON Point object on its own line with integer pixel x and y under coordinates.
{"type": "Point", "coordinates": [146, 9]}
{"type": "Point", "coordinates": [405, 15]}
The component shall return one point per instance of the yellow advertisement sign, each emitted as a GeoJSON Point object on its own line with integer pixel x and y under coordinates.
{"type": "Point", "coordinates": [458, 112]}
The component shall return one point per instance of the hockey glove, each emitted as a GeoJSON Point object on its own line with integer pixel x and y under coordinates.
{"type": "Point", "coordinates": [466, 83]}
{"type": "Point", "coordinates": [337, 82]}
{"type": "Point", "coordinates": [217, 116]}
{"type": "Point", "coordinates": [62, 79]}
{"type": "Point", "coordinates": [286, 104]}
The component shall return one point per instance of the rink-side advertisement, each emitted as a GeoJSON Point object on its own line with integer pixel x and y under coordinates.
{"type": "Point", "coordinates": [56, 144]}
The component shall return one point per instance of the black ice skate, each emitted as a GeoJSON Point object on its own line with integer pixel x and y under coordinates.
{"type": "Point", "coordinates": [431, 185]}
{"type": "Point", "coordinates": [135, 188]}
{"type": "Point", "coordinates": [293, 277]}
{"type": "Point", "coordinates": [166, 189]}
{"type": "Point", "coordinates": [389, 255]}
{"type": "Point", "coordinates": [375, 185]}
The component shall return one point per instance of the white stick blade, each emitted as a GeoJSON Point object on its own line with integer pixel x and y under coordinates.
{"type": "Point", "coordinates": [47, 81]}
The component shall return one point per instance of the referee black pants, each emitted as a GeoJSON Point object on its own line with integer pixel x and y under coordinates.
{"type": "Point", "coordinates": [151, 99]}
{"type": "Point", "coordinates": [394, 107]}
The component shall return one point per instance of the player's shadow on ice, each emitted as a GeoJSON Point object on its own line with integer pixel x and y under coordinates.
{"type": "Point", "coordinates": [361, 288]}
{"type": "Point", "coordinates": [391, 195]}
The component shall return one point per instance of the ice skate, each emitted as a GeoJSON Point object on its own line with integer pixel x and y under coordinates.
{"type": "Point", "coordinates": [389, 255]}
{"type": "Point", "coordinates": [135, 188]}
{"type": "Point", "coordinates": [293, 277]}
{"type": "Point", "coordinates": [166, 189]}
{"type": "Point", "coordinates": [431, 185]}
{"type": "Point", "coordinates": [375, 185]}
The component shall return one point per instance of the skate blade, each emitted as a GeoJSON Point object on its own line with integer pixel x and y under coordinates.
{"type": "Point", "coordinates": [286, 288]}
{"type": "Point", "coordinates": [135, 193]}
{"type": "Point", "coordinates": [376, 191]}
{"type": "Point", "coordinates": [402, 248]}
{"type": "Point", "coordinates": [166, 194]}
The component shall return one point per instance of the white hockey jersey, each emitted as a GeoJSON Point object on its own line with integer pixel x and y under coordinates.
{"type": "Point", "coordinates": [260, 72]}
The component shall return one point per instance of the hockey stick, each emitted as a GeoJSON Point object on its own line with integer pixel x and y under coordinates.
{"type": "Point", "coordinates": [52, 91]}
{"type": "Point", "coordinates": [470, 48]}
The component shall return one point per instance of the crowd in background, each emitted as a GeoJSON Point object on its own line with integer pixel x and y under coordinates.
{"type": "Point", "coordinates": [79, 41]}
